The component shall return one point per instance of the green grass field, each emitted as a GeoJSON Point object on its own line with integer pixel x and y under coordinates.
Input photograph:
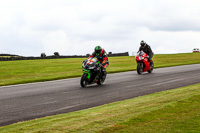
{"type": "Point", "coordinates": [28, 71]}
{"type": "Point", "coordinates": [172, 111]}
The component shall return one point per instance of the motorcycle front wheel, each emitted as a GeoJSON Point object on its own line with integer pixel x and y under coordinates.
{"type": "Point", "coordinates": [139, 67]}
{"type": "Point", "coordinates": [83, 81]}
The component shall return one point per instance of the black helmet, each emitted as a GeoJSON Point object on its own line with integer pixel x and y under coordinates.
{"type": "Point", "coordinates": [142, 43]}
{"type": "Point", "coordinates": [98, 50]}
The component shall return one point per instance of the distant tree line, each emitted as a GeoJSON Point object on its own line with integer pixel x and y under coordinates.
{"type": "Point", "coordinates": [8, 55]}
{"type": "Point", "coordinates": [55, 56]}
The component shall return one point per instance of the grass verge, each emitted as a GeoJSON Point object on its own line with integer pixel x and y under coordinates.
{"type": "Point", "coordinates": [28, 71]}
{"type": "Point", "coordinates": [175, 110]}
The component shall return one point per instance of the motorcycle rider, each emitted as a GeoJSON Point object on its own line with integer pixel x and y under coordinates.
{"type": "Point", "coordinates": [102, 56]}
{"type": "Point", "coordinates": [147, 49]}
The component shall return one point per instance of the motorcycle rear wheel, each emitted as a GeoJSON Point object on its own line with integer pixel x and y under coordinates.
{"type": "Point", "coordinates": [83, 81]}
{"type": "Point", "coordinates": [101, 80]}
{"type": "Point", "coordinates": [140, 67]}
{"type": "Point", "coordinates": [150, 71]}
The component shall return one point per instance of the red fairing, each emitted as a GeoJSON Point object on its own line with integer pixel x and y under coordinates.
{"type": "Point", "coordinates": [137, 58]}
{"type": "Point", "coordinates": [143, 59]}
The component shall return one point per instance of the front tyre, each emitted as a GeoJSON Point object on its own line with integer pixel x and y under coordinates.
{"type": "Point", "coordinates": [140, 67]}
{"type": "Point", "coordinates": [83, 81]}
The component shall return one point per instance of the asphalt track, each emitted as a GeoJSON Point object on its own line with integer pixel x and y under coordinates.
{"type": "Point", "coordinates": [35, 100]}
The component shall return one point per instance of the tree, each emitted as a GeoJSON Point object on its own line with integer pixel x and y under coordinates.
{"type": "Point", "coordinates": [56, 54]}
{"type": "Point", "coordinates": [43, 55]}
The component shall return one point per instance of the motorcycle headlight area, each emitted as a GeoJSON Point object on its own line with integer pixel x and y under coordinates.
{"type": "Point", "coordinates": [141, 58]}
{"type": "Point", "coordinates": [92, 66]}
{"type": "Point", "coordinates": [86, 67]}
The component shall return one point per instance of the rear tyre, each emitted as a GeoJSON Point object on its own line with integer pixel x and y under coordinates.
{"type": "Point", "coordinates": [151, 70]}
{"type": "Point", "coordinates": [140, 67]}
{"type": "Point", "coordinates": [83, 81]}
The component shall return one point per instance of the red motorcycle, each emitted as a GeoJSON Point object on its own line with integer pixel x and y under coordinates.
{"type": "Point", "coordinates": [143, 63]}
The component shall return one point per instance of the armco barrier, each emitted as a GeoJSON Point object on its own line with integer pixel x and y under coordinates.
{"type": "Point", "coordinates": [118, 54]}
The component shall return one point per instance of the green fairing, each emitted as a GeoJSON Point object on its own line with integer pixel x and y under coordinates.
{"type": "Point", "coordinates": [88, 75]}
{"type": "Point", "coordinates": [87, 72]}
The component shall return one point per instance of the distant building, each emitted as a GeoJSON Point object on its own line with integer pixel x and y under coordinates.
{"type": "Point", "coordinates": [195, 50]}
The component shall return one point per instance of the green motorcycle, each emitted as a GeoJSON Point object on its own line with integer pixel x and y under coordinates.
{"type": "Point", "coordinates": [92, 72]}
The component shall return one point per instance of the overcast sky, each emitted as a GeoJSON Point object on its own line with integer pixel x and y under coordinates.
{"type": "Point", "coordinates": [75, 27]}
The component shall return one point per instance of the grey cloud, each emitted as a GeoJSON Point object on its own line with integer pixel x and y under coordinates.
{"type": "Point", "coordinates": [76, 25]}
{"type": "Point", "coordinates": [175, 25]}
